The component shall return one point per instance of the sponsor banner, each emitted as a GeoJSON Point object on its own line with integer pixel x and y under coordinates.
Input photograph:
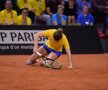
{"type": "Point", "coordinates": [19, 37]}
{"type": "Point", "coordinates": [16, 49]}
{"type": "Point", "coordinates": [4, 47]}
{"type": "Point", "coordinates": [18, 41]}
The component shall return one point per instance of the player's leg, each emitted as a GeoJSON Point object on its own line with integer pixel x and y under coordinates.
{"type": "Point", "coordinates": [32, 59]}
{"type": "Point", "coordinates": [53, 55]}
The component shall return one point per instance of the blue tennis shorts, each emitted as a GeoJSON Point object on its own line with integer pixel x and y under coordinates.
{"type": "Point", "coordinates": [51, 50]}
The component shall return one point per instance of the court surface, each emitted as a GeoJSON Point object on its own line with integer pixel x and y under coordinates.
{"type": "Point", "coordinates": [90, 73]}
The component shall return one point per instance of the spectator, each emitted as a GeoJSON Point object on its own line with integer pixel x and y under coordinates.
{"type": "Point", "coordinates": [26, 4]}
{"type": "Point", "coordinates": [24, 19]}
{"type": "Point", "coordinates": [70, 11]}
{"type": "Point", "coordinates": [51, 7]}
{"type": "Point", "coordinates": [59, 18]}
{"type": "Point", "coordinates": [14, 5]}
{"type": "Point", "coordinates": [39, 9]}
{"type": "Point", "coordinates": [9, 15]}
{"type": "Point", "coordinates": [22, 4]}
{"type": "Point", "coordinates": [85, 18]}
{"type": "Point", "coordinates": [81, 3]}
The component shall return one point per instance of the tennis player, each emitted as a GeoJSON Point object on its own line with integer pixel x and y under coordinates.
{"type": "Point", "coordinates": [53, 46]}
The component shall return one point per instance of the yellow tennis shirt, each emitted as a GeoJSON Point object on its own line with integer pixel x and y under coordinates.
{"type": "Point", "coordinates": [56, 45]}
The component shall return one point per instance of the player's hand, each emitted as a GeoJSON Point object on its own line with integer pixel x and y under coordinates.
{"type": "Point", "coordinates": [70, 67]}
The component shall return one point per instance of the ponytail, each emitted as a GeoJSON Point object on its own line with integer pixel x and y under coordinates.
{"type": "Point", "coordinates": [58, 34]}
{"type": "Point", "coordinates": [60, 30]}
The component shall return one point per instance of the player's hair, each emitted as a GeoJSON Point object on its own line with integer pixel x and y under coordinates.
{"type": "Point", "coordinates": [58, 34]}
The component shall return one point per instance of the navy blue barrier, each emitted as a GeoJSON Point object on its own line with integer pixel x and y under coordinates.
{"type": "Point", "coordinates": [19, 39]}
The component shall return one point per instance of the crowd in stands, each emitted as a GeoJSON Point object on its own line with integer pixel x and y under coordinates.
{"type": "Point", "coordinates": [54, 12]}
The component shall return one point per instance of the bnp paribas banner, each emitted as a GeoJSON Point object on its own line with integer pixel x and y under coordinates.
{"type": "Point", "coordinates": [18, 41]}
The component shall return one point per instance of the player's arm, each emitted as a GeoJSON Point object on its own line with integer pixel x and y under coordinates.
{"type": "Point", "coordinates": [68, 51]}
{"type": "Point", "coordinates": [36, 36]}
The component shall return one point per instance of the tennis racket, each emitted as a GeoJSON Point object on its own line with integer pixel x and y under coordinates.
{"type": "Point", "coordinates": [54, 65]}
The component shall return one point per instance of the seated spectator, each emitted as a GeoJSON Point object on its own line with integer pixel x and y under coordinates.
{"type": "Point", "coordinates": [39, 9]}
{"type": "Point", "coordinates": [85, 18]}
{"type": "Point", "coordinates": [70, 11]}
{"type": "Point", "coordinates": [9, 16]}
{"type": "Point", "coordinates": [24, 19]}
{"type": "Point", "coordinates": [26, 4]}
{"type": "Point", "coordinates": [14, 5]}
{"type": "Point", "coordinates": [59, 18]}
{"type": "Point", "coordinates": [22, 4]}
{"type": "Point", "coordinates": [51, 7]}
{"type": "Point", "coordinates": [81, 3]}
